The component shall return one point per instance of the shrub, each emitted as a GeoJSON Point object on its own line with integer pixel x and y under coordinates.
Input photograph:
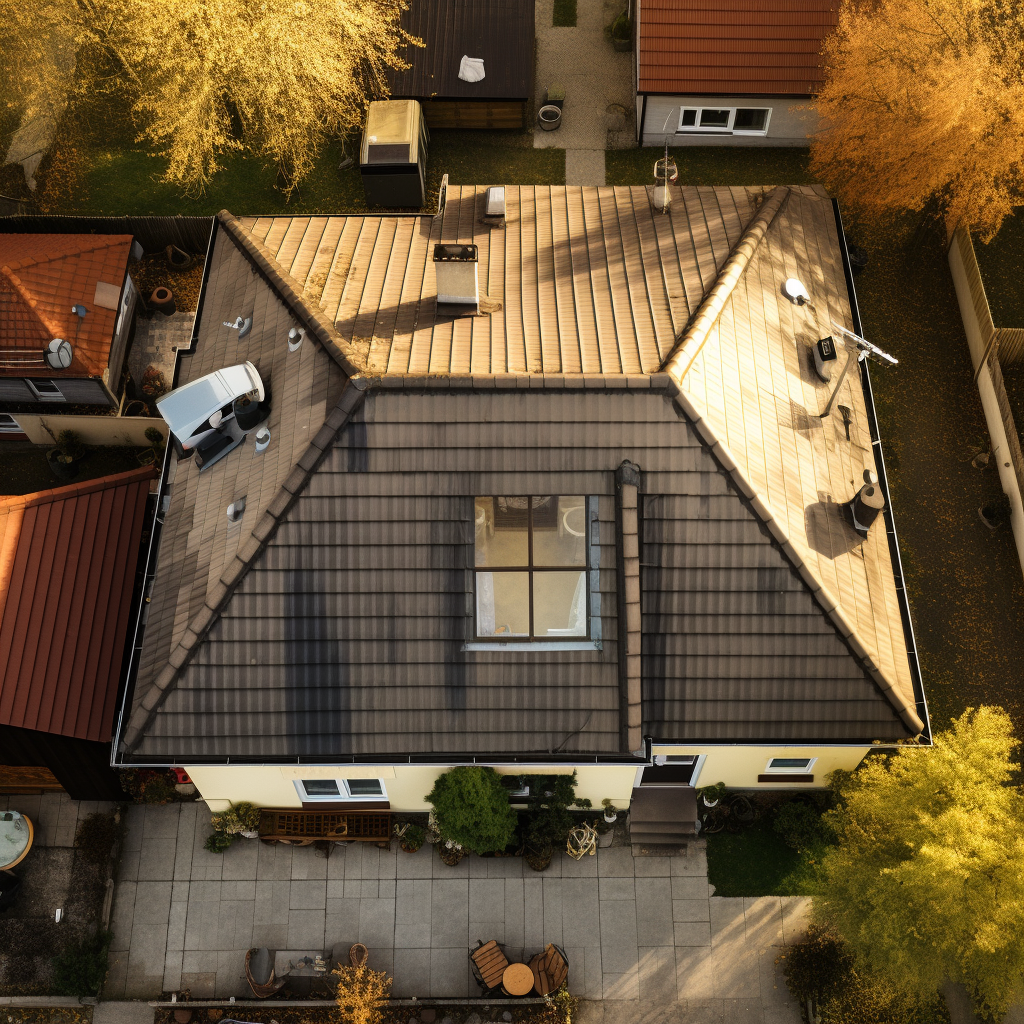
{"type": "Point", "coordinates": [413, 837]}
{"type": "Point", "coordinates": [548, 817]}
{"type": "Point", "coordinates": [218, 842]}
{"type": "Point", "coordinates": [70, 446]}
{"type": "Point", "coordinates": [800, 825]}
{"type": "Point", "coordinates": [149, 785]}
{"type": "Point", "coordinates": [155, 438]}
{"type": "Point", "coordinates": [471, 808]}
{"type": "Point", "coordinates": [621, 27]}
{"type": "Point", "coordinates": [240, 817]}
{"type": "Point", "coordinates": [818, 968]}
{"type": "Point", "coordinates": [81, 969]}
{"type": "Point", "coordinates": [96, 836]}
{"type": "Point", "coordinates": [361, 993]}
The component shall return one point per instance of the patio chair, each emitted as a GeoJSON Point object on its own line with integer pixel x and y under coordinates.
{"type": "Point", "coordinates": [259, 972]}
{"type": "Point", "coordinates": [550, 970]}
{"type": "Point", "coordinates": [489, 963]}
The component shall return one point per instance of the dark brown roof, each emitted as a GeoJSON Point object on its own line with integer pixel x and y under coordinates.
{"type": "Point", "coordinates": [500, 32]}
{"type": "Point", "coordinates": [733, 47]}
{"type": "Point", "coordinates": [67, 572]}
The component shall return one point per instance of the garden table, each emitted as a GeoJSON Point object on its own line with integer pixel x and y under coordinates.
{"type": "Point", "coordinates": [517, 980]}
{"type": "Point", "coordinates": [16, 835]}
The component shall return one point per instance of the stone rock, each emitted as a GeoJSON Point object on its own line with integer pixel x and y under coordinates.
{"type": "Point", "coordinates": [474, 1018]}
{"type": "Point", "coordinates": [506, 1016]}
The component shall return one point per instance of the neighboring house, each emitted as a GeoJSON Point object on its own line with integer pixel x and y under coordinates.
{"type": "Point", "coordinates": [72, 289]}
{"type": "Point", "coordinates": [738, 73]}
{"type": "Point", "coordinates": [592, 522]}
{"type": "Point", "coordinates": [68, 562]}
{"type": "Point", "coordinates": [498, 33]}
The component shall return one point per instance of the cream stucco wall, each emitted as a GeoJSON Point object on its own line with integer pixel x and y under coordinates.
{"type": "Point", "coordinates": [739, 766]}
{"type": "Point", "coordinates": [406, 785]}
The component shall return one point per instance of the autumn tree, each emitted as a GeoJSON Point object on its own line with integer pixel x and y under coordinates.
{"type": "Point", "coordinates": [924, 101]}
{"type": "Point", "coordinates": [926, 886]}
{"type": "Point", "coordinates": [206, 77]}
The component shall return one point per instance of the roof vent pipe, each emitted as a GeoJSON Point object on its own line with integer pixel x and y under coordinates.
{"type": "Point", "coordinates": [295, 336]}
{"type": "Point", "coordinates": [863, 508]}
{"type": "Point", "coordinates": [262, 439]}
{"type": "Point", "coordinates": [235, 510]}
{"type": "Point", "coordinates": [458, 290]}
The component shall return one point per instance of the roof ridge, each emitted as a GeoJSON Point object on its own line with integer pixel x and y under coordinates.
{"type": "Point", "coordinates": [290, 293]}
{"type": "Point", "coordinates": [691, 341]}
{"type": "Point", "coordinates": [14, 502]}
{"type": "Point", "coordinates": [822, 595]}
{"type": "Point", "coordinates": [351, 398]}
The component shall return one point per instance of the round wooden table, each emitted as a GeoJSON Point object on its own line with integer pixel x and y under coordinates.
{"type": "Point", "coordinates": [517, 980]}
{"type": "Point", "coordinates": [16, 837]}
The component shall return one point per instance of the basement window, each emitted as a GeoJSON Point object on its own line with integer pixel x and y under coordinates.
{"type": "Point", "coordinates": [45, 390]}
{"type": "Point", "coordinates": [312, 790]}
{"type": "Point", "coordinates": [790, 765]}
{"type": "Point", "coordinates": [533, 584]}
{"type": "Point", "coordinates": [724, 120]}
{"type": "Point", "coordinates": [8, 424]}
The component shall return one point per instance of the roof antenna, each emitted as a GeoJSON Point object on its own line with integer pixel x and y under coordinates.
{"type": "Point", "coordinates": [864, 350]}
{"type": "Point", "coordinates": [242, 326]}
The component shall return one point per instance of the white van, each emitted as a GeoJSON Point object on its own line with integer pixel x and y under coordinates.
{"type": "Point", "coordinates": [198, 409]}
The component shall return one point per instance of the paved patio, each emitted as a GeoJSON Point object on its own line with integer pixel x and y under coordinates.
{"type": "Point", "coordinates": [633, 929]}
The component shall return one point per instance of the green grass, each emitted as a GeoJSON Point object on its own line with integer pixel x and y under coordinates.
{"type": "Point", "coordinates": [1002, 268]}
{"type": "Point", "coordinates": [564, 14]}
{"type": "Point", "coordinates": [26, 471]}
{"type": "Point", "coordinates": [707, 165]}
{"type": "Point", "coordinates": [127, 179]}
{"type": "Point", "coordinates": [757, 862]}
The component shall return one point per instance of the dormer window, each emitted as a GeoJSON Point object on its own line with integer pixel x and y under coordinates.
{"type": "Point", "coordinates": [531, 568]}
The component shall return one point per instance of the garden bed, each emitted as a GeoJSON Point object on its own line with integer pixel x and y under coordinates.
{"type": "Point", "coordinates": [26, 470]}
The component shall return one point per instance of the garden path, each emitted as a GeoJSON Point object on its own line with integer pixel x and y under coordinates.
{"type": "Point", "coordinates": [642, 935]}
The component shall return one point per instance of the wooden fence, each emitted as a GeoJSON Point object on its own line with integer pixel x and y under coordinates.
{"type": "Point", "coordinates": [1008, 341]}
{"type": "Point", "coordinates": [154, 234]}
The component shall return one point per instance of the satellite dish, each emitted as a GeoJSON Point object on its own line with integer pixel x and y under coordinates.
{"type": "Point", "coordinates": [59, 354]}
{"type": "Point", "coordinates": [795, 291]}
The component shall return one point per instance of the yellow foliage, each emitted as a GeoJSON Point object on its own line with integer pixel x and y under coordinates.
{"type": "Point", "coordinates": [924, 99]}
{"type": "Point", "coordinates": [361, 994]}
{"type": "Point", "coordinates": [205, 77]}
{"type": "Point", "coordinates": [926, 882]}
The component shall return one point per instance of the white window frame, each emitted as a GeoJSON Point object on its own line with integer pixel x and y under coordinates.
{"type": "Point", "coordinates": [806, 770]}
{"type": "Point", "coordinates": [696, 129]}
{"type": "Point", "coordinates": [14, 427]}
{"type": "Point", "coordinates": [59, 397]}
{"type": "Point", "coordinates": [344, 792]}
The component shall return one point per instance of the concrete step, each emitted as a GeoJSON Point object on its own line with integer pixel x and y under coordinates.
{"type": "Point", "coordinates": [668, 827]}
{"type": "Point", "coordinates": [659, 838]}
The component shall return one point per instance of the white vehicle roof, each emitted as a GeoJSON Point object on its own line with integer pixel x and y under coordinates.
{"type": "Point", "coordinates": [188, 407]}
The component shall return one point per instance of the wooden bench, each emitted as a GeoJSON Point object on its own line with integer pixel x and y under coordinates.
{"type": "Point", "coordinates": [301, 828]}
{"type": "Point", "coordinates": [489, 963]}
{"type": "Point", "coordinates": [550, 970]}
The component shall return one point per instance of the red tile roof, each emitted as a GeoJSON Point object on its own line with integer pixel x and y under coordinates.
{"type": "Point", "coordinates": [67, 570]}
{"type": "Point", "coordinates": [733, 47]}
{"type": "Point", "coordinates": [41, 278]}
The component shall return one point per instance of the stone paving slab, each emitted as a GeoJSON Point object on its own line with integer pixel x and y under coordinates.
{"type": "Point", "coordinates": [641, 934]}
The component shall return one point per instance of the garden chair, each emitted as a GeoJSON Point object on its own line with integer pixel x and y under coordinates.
{"type": "Point", "coordinates": [259, 972]}
{"type": "Point", "coordinates": [550, 970]}
{"type": "Point", "coordinates": [489, 963]}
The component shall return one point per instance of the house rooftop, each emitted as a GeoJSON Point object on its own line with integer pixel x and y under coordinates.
{"type": "Point", "coordinates": [68, 558]}
{"type": "Point", "coordinates": [733, 47]}
{"type": "Point", "coordinates": [330, 623]}
{"type": "Point", "coordinates": [42, 276]}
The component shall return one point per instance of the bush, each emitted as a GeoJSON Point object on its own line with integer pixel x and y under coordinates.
{"type": "Point", "coordinates": [70, 446]}
{"type": "Point", "coordinates": [621, 27]}
{"type": "Point", "coordinates": [149, 785]}
{"type": "Point", "coordinates": [96, 836]}
{"type": "Point", "coordinates": [413, 838]}
{"type": "Point", "coordinates": [240, 817]}
{"type": "Point", "coordinates": [818, 968]}
{"type": "Point", "coordinates": [471, 808]}
{"type": "Point", "coordinates": [548, 817]}
{"type": "Point", "coordinates": [218, 842]}
{"type": "Point", "coordinates": [361, 994]}
{"type": "Point", "coordinates": [800, 825]}
{"type": "Point", "coordinates": [80, 970]}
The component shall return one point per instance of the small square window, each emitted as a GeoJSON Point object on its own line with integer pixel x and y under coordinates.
{"type": "Point", "coordinates": [45, 390]}
{"type": "Point", "coordinates": [798, 765]}
{"type": "Point", "coordinates": [311, 790]}
{"type": "Point", "coordinates": [531, 554]}
{"type": "Point", "coordinates": [751, 119]}
{"type": "Point", "coordinates": [9, 425]}
{"type": "Point", "coordinates": [320, 788]}
{"type": "Point", "coordinates": [714, 118]}
{"type": "Point", "coordinates": [688, 118]}
{"type": "Point", "coordinates": [364, 787]}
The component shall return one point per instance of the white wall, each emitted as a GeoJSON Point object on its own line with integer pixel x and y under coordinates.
{"type": "Point", "coordinates": [789, 125]}
{"type": "Point", "coordinates": [96, 430]}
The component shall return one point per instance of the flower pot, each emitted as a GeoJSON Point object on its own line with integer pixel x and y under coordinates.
{"type": "Point", "coordinates": [622, 45]}
{"type": "Point", "coordinates": [604, 840]}
{"type": "Point", "coordinates": [147, 457]}
{"type": "Point", "coordinates": [611, 819]}
{"type": "Point", "coordinates": [178, 259]}
{"type": "Point", "coordinates": [450, 856]}
{"type": "Point", "coordinates": [410, 847]}
{"type": "Point", "coordinates": [539, 861]}
{"type": "Point", "coordinates": [64, 471]}
{"type": "Point", "coordinates": [247, 413]}
{"type": "Point", "coordinates": [249, 834]}
{"type": "Point", "coordinates": [708, 802]}
{"type": "Point", "coordinates": [549, 117]}
{"type": "Point", "coordinates": [136, 408]}
{"type": "Point", "coordinates": [162, 300]}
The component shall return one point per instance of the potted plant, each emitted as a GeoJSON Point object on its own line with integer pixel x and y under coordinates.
{"type": "Point", "coordinates": [622, 33]}
{"type": "Point", "coordinates": [471, 812]}
{"type": "Point", "coordinates": [996, 511]}
{"type": "Point", "coordinates": [710, 795]}
{"type": "Point", "coordinates": [148, 456]}
{"type": "Point", "coordinates": [548, 819]}
{"type": "Point", "coordinates": [241, 819]}
{"type": "Point", "coordinates": [64, 459]}
{"type": "Point", "coordinates": [411, 837]}
{"type": "Point", "coordinates": [611, 812]}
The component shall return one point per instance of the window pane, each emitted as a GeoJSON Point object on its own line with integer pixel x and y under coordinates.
{"type": "Point", "coordinates": [503, 604]}
{"type": "Point", "coordinates": [560, 531]}
{"type": "Point", "coordinates": [789, 762]}
{"type": "Point", "coordinates": [502, 526]}
{"type": "Point", "coordinates": [559, 604]}
{"type": "Point", "coordinates": [321, 787]}
{"type": "Point", "coordinates": [364, 787]}
{"type": "Point", "coordinates": [714, 119]}
{"type": "Point", "coordinates": [689, 119]}
{"type": "Point", "coordinates": [750, 120]}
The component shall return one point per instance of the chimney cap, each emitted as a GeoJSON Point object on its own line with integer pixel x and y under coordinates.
{"type": "Point", "coordinates": [450, 252]}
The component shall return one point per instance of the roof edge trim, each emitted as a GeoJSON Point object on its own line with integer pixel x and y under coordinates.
{"type": "Point", "coordinates": [822, 595]}
{"type": "Point", "coordinates": [218, 597]}
{"type": "Point", "coordinates": [689, 345]}
{"type": "Point", "coordinates": [15, 502]}
{"type": "Point", "coordinates": [291, 294]}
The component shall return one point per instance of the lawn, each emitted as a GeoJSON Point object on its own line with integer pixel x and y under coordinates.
{"type": "Point", "coordinates": [1002, 266]}
{"type": "Point", "coordinates": [757, 862]}
{"type": "Point", "coordinates": [26, 471]}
